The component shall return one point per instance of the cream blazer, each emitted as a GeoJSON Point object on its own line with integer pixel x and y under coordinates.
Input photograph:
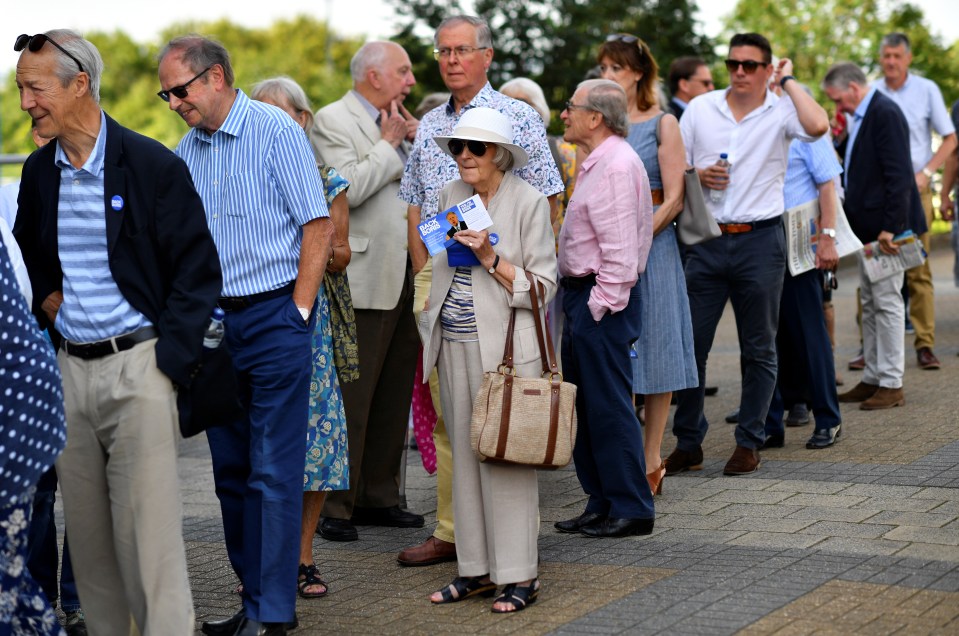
{"type": "Point", "coordinates": [520, 217]}
{"type": "Point", "coordinates": [346, 137]}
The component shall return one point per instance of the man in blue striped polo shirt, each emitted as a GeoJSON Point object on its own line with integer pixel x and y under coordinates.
{"type": "Point", "coordinates": [124, 269]}
{"type": "Point", "coordinates": [257, 176]}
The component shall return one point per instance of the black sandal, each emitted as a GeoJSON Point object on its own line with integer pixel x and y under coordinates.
{"type": "Point", "coordinates": [308, 576]}
{"type": "Point", "coordinates": [465, 587]}
{"type": "Point", "coordinates": [517, 596]}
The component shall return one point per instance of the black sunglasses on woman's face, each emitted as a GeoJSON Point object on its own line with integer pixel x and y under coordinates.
{"type": "Point", "coordinates": [35, 42]}
{"type": "Point", "coordinates": [476, 148]}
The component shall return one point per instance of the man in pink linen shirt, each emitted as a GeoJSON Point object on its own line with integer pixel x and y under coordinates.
{"type": "Point", "coordinates": [602, 251]}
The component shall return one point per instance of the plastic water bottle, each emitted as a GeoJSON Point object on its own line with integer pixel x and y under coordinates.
{"type": "Point", "coordinates": [717, 196]}
{"type": "Point", "coordinates": [214, 333]}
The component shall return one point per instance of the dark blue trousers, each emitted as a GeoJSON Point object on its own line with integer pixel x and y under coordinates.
{"type": "Point", "coordinates": [609, 457]}
{"type": "Point", "coordinates": [746, 269]}
{"type": "Point", "coordinates": [805, 355]}
{"type": "Point", "coordinates": [258, 462]}
{"type": "Point", "coordinates": [42, 552]}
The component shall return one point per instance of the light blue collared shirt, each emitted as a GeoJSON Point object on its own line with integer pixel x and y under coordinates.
{"type": "Point", "coordinates": [810, 165]}
{"type": "Point", "coordinates": [258, 180]}
{"type": "Point", "coordinates": [93, 307]}
{"type": "Point", "coordinates": [855, 119]}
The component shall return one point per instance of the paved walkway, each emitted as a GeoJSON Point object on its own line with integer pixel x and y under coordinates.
{"type": "Point", "coordinates": [859, 538]}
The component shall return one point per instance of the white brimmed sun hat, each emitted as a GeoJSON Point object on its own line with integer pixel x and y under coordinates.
{"type": "Point", "coordinates": [489, 125]}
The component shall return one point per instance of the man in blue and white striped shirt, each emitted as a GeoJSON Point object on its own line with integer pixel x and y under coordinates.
{"type": "Point", "coordinates": [255, 171]}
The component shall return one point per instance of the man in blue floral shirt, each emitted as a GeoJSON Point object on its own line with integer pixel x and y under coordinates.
{"type": "Point", "coordinates": [464, 50]}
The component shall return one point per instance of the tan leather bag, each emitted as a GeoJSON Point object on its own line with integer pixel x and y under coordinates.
{"type": "Point", "coordinates": [527, 421]}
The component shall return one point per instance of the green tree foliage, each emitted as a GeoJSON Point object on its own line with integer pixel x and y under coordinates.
{"type": "Point", "coordinates": [818, 33]}
{"type": "Point", "coordinates": [303, 48]}
{"type": "Point", "coordinates": [553, 42]}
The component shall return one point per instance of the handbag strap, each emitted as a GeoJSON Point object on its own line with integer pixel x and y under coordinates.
{"type": "Point", "coordinates": [547, 353]}
{"type": "Point", "coordinates": [508, 347]}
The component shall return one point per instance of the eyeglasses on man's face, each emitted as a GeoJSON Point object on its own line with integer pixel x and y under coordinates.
{"type": "Point", "coordinates": [749, 66]}
{"type": "Point", "coordinates": [570, 106]}
{"type": "Point", "coordinates": [35, 42]}
{"type": "Point", "coordinates": [476, 148]}
{"type": "Point", "coordinates": [181, 92]}
{"type": "Point", "coordinates": [444, 52]}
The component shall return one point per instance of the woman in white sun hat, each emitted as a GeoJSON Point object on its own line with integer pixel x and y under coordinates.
{"type": "Point", "coordinates": [496, 506]}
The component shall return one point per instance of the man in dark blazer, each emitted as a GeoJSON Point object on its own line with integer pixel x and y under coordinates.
{"type": "Point", "coordinates": [126, 274]}
{"type": "Point", "coordinates": [881, 202]}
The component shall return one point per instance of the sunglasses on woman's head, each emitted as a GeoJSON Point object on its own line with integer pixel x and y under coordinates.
{"type": "Point", "coordinates": [621, 37]}
{"type": "Point", "coordinates": [476, 148]}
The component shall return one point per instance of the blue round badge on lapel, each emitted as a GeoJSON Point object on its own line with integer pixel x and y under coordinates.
{"type": "Point", "coordinates": [493, 239]}
{"type": "Point", "coordinates": [116, 202]}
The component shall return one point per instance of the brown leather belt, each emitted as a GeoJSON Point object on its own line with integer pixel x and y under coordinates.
{"type": "Point", "coordinates": [742, 228]}
{"type": "Point", "coordinates": [657, 195]}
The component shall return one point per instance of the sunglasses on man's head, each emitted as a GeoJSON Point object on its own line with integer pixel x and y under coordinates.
{"type": "Point", "coordinates": [476, 148]}
{"type": "Point", "coordinates": [35, 42]}
{"type": "Point", "coordinates": [181, 92]}
{"type": "Point", "coordinates": [749, 66]}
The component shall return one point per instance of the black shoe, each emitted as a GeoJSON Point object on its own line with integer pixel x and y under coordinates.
{"type": "Point", "coordinates": [337, 530]}
{"type": "Point", "coordinates": [611, 527]}
{"type": "Point", "coordinates": [711, 390]}
{"type": "Point", "coordinates": [574, 525]}
{"type": "Point", "coordinates": [224, 626]}
{"type": "Point", "coordinates": [392, 517]}
{"type": "Point", "coordinates": [229, 626]}
{"type": "Point", "coordinates": [776, 440]}
{"type": "Point", "coordinates": [251, 627]}
{"type": "Point", "coordinates": [824, 438]}
{"type": "Point", "coordinates": [733, 416]}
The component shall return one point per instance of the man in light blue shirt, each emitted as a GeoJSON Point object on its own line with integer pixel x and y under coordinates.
{"type": "Point", "coordinates": [921, 102]}
{"type": "Point", "coordinates": [255, 171]}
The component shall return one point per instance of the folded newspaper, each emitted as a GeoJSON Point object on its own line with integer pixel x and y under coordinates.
{"type": "Point", "coordinates": [879, 265]}
{"type": "Point", "coordinates": [802, 234]}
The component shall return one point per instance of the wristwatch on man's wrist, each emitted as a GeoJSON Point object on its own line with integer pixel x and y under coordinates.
{"type": "Point", "coordinates": [828, 231]}
{"type": "Point", "coordinates": [927, 172]}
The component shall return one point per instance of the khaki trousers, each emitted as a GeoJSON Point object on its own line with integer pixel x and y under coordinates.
{"type": "Point", "coordinates": [496, 505]}
{"type": "Point", "coordinates": [444, 453]}
{"type": "Point", "coordinates": [922, 306]}
{"type": "Point", "coordinates": [121, 496]}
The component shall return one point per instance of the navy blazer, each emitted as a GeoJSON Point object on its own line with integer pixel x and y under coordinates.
{"type": "Point", "coordinates": [161, 254]}
{"type": "Point", "coordinates": [881, 192]}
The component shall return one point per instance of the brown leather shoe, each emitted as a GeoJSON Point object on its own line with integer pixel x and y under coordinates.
{"type": "Point", "coordinates": [680, 460]}
{"type": "Point", "coordinates": [430, 552]}
{"type": "Point", "coordinates": [859, 393]}
{"type": "Point", "coordinates": [744, 461]}
{"type": "Point", "coordinates": [927, 359]}
{"type": "Point", "coordinates": [858, 363]}
{"type": "Point", "coordinates": [884, 399]}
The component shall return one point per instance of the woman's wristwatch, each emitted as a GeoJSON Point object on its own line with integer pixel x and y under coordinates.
{"type": "Point", "coordinates": [492, 269]}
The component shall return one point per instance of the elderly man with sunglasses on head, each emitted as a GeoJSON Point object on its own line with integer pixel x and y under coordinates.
{"type": "Point", "coordinates": [124, 269]}
{"type": "Point", "coordinates": [747, 263]}
{"type": "Point", "coordinates": [266, 209]}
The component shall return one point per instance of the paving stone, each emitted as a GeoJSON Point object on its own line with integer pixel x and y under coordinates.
{"type": "Point", "coordinates": [822, 513]}
{"type": "Point", "coordinates": [852, 530]}
{"type": "Point", "coordinates": [825, 501]}
{"type": "Point", "coordinates": [860, 546]}
{"type": "Point", "coordinates": [943, 536]}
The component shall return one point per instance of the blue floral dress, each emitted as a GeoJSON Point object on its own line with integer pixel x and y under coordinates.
{"type": "Point", "coordinates": [33, 431]}
{"type": "Point", "coordinates": [327, 455]}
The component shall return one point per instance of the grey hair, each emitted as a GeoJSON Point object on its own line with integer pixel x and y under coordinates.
{"type": "Point", "coordinates": [199, 52]}
{"type": "Point", "coordinates": [607, 98]}
{"type": "Point", "coordinates": [484, 36]}
{"type": "Point", "coordinates": [85, 52]}
{"type": "Point", "coordinates": [840, 76]}
{"type": "Point", "coordinates": [283, 88]}
{"type": "Point", "coordinates": [893, 40]}
{"type": "Point", "coordinates": [526, 90]}
{"type": "Point", "coordinates": [503, 159]}
{"type": "Point", "coordinates": [371, 55]}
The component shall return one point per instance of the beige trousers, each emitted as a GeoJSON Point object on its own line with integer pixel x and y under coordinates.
{"type": "Point", "coordinates": [121, 494]}
{"type": "Point", "coordinates": [444, 454]}
{"type": "Point", "coordinates": [496, 506]}
{"type": "Point", "coordinates": [922, 302]}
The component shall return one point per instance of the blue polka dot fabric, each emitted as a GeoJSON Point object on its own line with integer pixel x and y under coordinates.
{"type": "Point", "coordinates": [32, 428]}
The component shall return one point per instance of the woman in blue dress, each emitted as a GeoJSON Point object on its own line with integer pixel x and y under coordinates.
{"type": "Point", "coordinates": [33, 430]}
{"type": "Point", "coordinates": [327, 457]}
{"type": "Point", "coordinates": [664, 359]}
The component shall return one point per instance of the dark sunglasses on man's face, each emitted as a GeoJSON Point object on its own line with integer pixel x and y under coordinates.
{"type": "Point", "coordinates": [749, 66]}
{"type": "Point", "coordinates": [35, 42]}
{"type": "Point", "coordinates": [181, 92]}
{"type": "Point", "coordinates": [476, 148]}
